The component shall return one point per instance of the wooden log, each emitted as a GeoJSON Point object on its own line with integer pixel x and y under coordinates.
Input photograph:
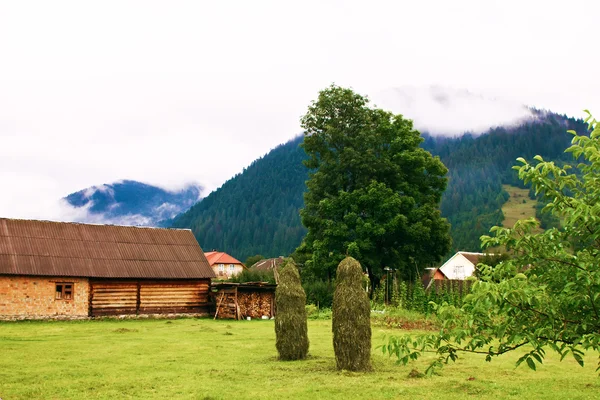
{"type": "Point", "coordinates": [237, 308]}
{"type": "Point", "coordinates": [219, 305]}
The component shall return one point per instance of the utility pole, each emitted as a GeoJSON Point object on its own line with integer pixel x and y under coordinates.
{"type": "Point", "coordinates": [387, 280]}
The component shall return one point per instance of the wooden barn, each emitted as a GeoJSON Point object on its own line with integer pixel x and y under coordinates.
{"type": "Point", "coordinates": [71, 270]}
{"type": "Point", "coordinates": [242, 300]}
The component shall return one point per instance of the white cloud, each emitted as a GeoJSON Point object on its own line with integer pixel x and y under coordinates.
{"type": "Point", "coordinates": [446, 111]}
{"type": "Point", "coordinates": [191, 91]}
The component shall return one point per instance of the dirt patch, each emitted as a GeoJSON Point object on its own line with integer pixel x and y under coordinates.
{"type": "Point", "coordinates": [402, 323]}
{"type": "Point", "coordinates": [124, 330]}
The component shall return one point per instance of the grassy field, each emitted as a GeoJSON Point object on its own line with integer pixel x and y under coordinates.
{"type": "Point", "coordinates": [206, 359]}
{"type": "Point", "coordinates": [518, 206]}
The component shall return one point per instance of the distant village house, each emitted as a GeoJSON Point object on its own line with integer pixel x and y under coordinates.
{"type": "Point", "coordinates": [459, 267]}
{"type": "Point", "coordinates": [268, 264]}
{"type": "Point", "coordinates": [224, 266]}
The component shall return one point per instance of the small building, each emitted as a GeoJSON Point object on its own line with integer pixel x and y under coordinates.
{"type": "Point", "coordinates": [432, 275]}
{"type": "Point", "coordinates": [268, 265]}
{"type": "Point", "coordinates": [459, 267]}
{"type": "Point", "coordinates": [72, 270]}
{"type": "Point", "coordinates": [243, 300]}
{"type": "Point", "coordinates": [223, 265]}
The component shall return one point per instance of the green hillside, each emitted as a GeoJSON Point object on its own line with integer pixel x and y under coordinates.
{"type": "Point", "coordinates": [256, 212]}
{"type": "Point", "coordinates": [518, 206]}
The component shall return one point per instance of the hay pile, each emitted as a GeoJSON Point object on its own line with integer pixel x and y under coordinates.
{"type": "Point", "coordinates": [351, 322]}
{"type": "Point", "coordinates": [290, 323]}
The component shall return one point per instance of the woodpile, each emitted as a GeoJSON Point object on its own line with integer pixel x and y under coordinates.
{"type": "Point", "coordinates": [239, 301]}
{"type": "Point", "coordinates": [256, 304]}
{"type": "Point", "coordinates": [227, 307]}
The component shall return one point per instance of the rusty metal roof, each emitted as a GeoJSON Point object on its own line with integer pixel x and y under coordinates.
{"type": "Point", "coordinates": [29, 247]}
{"type": "Point", "coordinates": [472, 257]}
{"type": "Point", "coordinates": [269, 264]}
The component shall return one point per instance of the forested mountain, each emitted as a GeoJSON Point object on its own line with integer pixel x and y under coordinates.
{"type": "Point", "coordinates": [132, 203]}
{"type": "Point", "coordinates": [478, 166]}
{"type": "Point", "coordinates": [256, 212]}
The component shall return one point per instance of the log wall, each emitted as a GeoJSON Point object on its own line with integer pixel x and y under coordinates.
{"type": "Point", "coordinates": [159, 297]}
{"type": "Point", "coordinates": [109, 297]}
{"type": "Point", "coordinates": [113, 297]}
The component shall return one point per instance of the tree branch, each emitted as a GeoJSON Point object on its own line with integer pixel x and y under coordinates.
{"type": "Point", "coordinates": [563, 320]}
{"type": "Point", "coordinates": [564, 262]}
{"type": "Point", "coordinates": [506, 350]}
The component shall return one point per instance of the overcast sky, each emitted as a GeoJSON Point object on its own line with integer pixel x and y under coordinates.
{"type": "Point", "coordinates": [172, 92]}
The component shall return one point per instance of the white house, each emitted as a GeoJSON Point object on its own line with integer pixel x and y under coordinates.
{"type": "Point", "coordinates": [460, 266]}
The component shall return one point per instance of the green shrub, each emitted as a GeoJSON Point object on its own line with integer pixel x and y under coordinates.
{"type": "Point", "coordinates": [413, 296]}
{"type": "Point", "coordinates": [319, 293]}
{"type": "Point", "coordinates": [419, 300]}
{"type": "Point", "coordinates": [395, 317]}
{"type": "Point", "coordinates": [250, 261]}
{"type": "Point", "coordinates": [351, 315]}
{"type": "Point", "coordinates": [291, 330]}
{"type": "Point", "coordinates": [251, 275]}
{"type": "Point", "coordinates": [379, 293]}
{"type": "Point", "coordinates": [313, 312]}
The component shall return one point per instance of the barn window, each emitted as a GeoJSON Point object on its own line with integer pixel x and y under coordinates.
{"type": "Point", "coordinates": [64, 291]}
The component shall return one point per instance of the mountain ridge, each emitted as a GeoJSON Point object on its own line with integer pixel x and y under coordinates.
{"type": "Point", "coordinates": [256, 211]}
{"type": "Point", "coordinates": [129, 202]}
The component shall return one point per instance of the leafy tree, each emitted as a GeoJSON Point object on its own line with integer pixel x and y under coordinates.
{"type": "Point", "coordinates": [373, 193]}
{"type": "Point", "coordinates": [490, 260]}
{"type": "Point", "coordinates": [548, 295]}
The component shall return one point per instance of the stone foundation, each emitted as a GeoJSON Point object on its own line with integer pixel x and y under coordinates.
{"type": "Point", "coordinates": [79, 318]}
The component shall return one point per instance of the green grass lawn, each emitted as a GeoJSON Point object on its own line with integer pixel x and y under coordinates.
{"type": "Point", "coordinates": [206, 359]}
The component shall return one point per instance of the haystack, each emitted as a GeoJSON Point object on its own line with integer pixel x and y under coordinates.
{"type": "Point", "coordinates": [290, 323]}
{"type": "Point", "coordinates": [351, 322]}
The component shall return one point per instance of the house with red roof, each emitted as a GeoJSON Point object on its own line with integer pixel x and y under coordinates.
{"type": "Point", "coordinates": [224, 265]}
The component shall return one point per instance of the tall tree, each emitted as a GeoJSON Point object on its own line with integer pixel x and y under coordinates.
{"type": "Point", "coordinates": [373, 193]}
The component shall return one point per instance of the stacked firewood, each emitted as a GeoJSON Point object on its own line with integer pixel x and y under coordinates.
{"type": "Point", "coordinates": [226, 306]}
{"type": "Point", "coordinates": [255, 304]}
